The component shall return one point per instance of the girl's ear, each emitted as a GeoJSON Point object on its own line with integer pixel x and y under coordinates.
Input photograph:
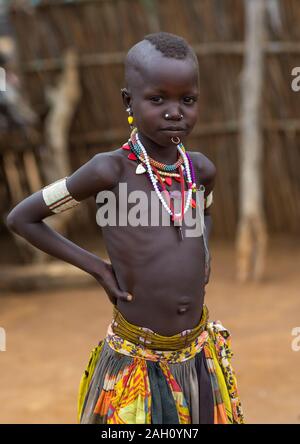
{"type": "Point", "coordinates": [126, 96]}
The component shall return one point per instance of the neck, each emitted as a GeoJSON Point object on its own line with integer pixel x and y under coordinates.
{"type": "Point", "coordinates": [165, 154]}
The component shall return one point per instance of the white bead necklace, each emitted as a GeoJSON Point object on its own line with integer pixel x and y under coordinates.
{"type": "Point", "coordinates": [153, 180]}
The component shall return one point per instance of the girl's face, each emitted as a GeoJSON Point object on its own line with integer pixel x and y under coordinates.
{"type": "Point", "coordinates": [163, 100]}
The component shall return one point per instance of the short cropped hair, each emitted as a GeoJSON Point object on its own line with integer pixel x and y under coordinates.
{"type": "Point", "coordinates": [171, 45]}
{"type": "Point", "coordinates": [168, 45]}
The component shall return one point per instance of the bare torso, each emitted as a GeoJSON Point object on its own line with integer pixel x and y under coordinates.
{"type": "Point", "coordinates": [164, 274]}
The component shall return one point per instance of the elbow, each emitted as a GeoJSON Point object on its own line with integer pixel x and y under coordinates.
{"type": "Point", "coordinates": [12, 222]}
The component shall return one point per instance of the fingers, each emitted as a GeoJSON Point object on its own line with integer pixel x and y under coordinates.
{"type": "Point", "coordinates": [111, 287]}
{"type": "Point", "coordinates": [129, 297]}
{"type": "Point", "coordinates": [123, 296]}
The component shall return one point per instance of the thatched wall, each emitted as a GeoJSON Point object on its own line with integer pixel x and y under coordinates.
{"type": "Point", "coordinates": [102, 31]}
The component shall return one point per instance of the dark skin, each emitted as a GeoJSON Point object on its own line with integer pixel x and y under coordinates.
{"type": "Point", "coordinates": [155, 279]}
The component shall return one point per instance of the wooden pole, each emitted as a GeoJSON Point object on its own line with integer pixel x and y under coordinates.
{"type": "Point", "coordinates": [251, 238]}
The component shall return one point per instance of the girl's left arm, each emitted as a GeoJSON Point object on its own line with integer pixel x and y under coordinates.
{"type": "Point", "coordinates": [208, 195]}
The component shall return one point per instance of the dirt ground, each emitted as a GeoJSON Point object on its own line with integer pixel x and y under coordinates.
{"type": "Point", "coordinates": [50, 335]}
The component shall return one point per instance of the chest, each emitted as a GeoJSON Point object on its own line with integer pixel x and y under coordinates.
{"type": "Point", "coordinates": [134, 202]}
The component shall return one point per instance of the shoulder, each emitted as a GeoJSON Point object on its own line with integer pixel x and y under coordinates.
{"type": "Point", "coordinates": [112, 159]}
{"type": "Point", "coordinates": [205, 169]}
{"type": "Point", "coordinates": [108, 165]}
{"type": "Point", "coordinates": [101, 172]}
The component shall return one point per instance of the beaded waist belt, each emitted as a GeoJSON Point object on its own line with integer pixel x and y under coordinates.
{"type": "Point", "coordinates": [147, 337]}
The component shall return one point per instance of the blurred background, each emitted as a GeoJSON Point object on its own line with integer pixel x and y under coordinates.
{"type": "Point", "coordinates": [61, 71]}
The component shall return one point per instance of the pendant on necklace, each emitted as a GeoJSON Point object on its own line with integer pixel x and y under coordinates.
{"type": "Point", "coordinates": [132, 156]}
{"type": "Point", "coordinates": [168, 181]}
{"type": "Point", "coordinates": [140, 169]}
{"type": "Point", "coordinates": [180, 232]}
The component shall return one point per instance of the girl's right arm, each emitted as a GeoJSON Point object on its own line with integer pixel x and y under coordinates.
{"type": "Point", "coordinates": [102, 172]}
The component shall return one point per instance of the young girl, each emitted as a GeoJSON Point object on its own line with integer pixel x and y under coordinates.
{"type": "Point", "coordinates": [161, 361]}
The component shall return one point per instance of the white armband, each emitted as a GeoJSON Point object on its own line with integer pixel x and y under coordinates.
{"type": "Point", "coordinates": [208, 200]}
{"type": "Point", "coordinates": [57, 197]}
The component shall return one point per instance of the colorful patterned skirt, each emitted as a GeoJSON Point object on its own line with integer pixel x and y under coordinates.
{"type": "Point", "coordinates": [136, 376]}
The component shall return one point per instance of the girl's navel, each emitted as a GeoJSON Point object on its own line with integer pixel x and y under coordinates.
{"type": "Point", "coordinates": [182, 310]}
{"type": "Point", "coordinates": [184, 302]}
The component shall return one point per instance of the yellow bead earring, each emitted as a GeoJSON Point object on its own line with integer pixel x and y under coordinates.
{"type": "Point", "coordinates": [130, 117]}
{"type": "Point", "coordinates": [130, 120]}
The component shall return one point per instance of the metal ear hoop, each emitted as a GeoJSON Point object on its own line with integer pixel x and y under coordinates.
{"type": "Point", "coordinates": [175, 140]}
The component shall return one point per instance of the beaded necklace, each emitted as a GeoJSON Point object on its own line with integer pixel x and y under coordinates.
{"type": "Point", "coordinates": [140, 152]}
{"type": "Point", "coordinates": [141, 169]}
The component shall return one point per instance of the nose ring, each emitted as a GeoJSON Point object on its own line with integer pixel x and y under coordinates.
{"type": "Point", "coordinates": [167, 116]}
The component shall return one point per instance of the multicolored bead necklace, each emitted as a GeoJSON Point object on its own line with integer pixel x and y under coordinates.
{"type": "Point", "coordinates": [137, 148]}
{"type": "Point", "coordinates": [168, 175]}
{"type": "Point", "coordinates": [149, 165]}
